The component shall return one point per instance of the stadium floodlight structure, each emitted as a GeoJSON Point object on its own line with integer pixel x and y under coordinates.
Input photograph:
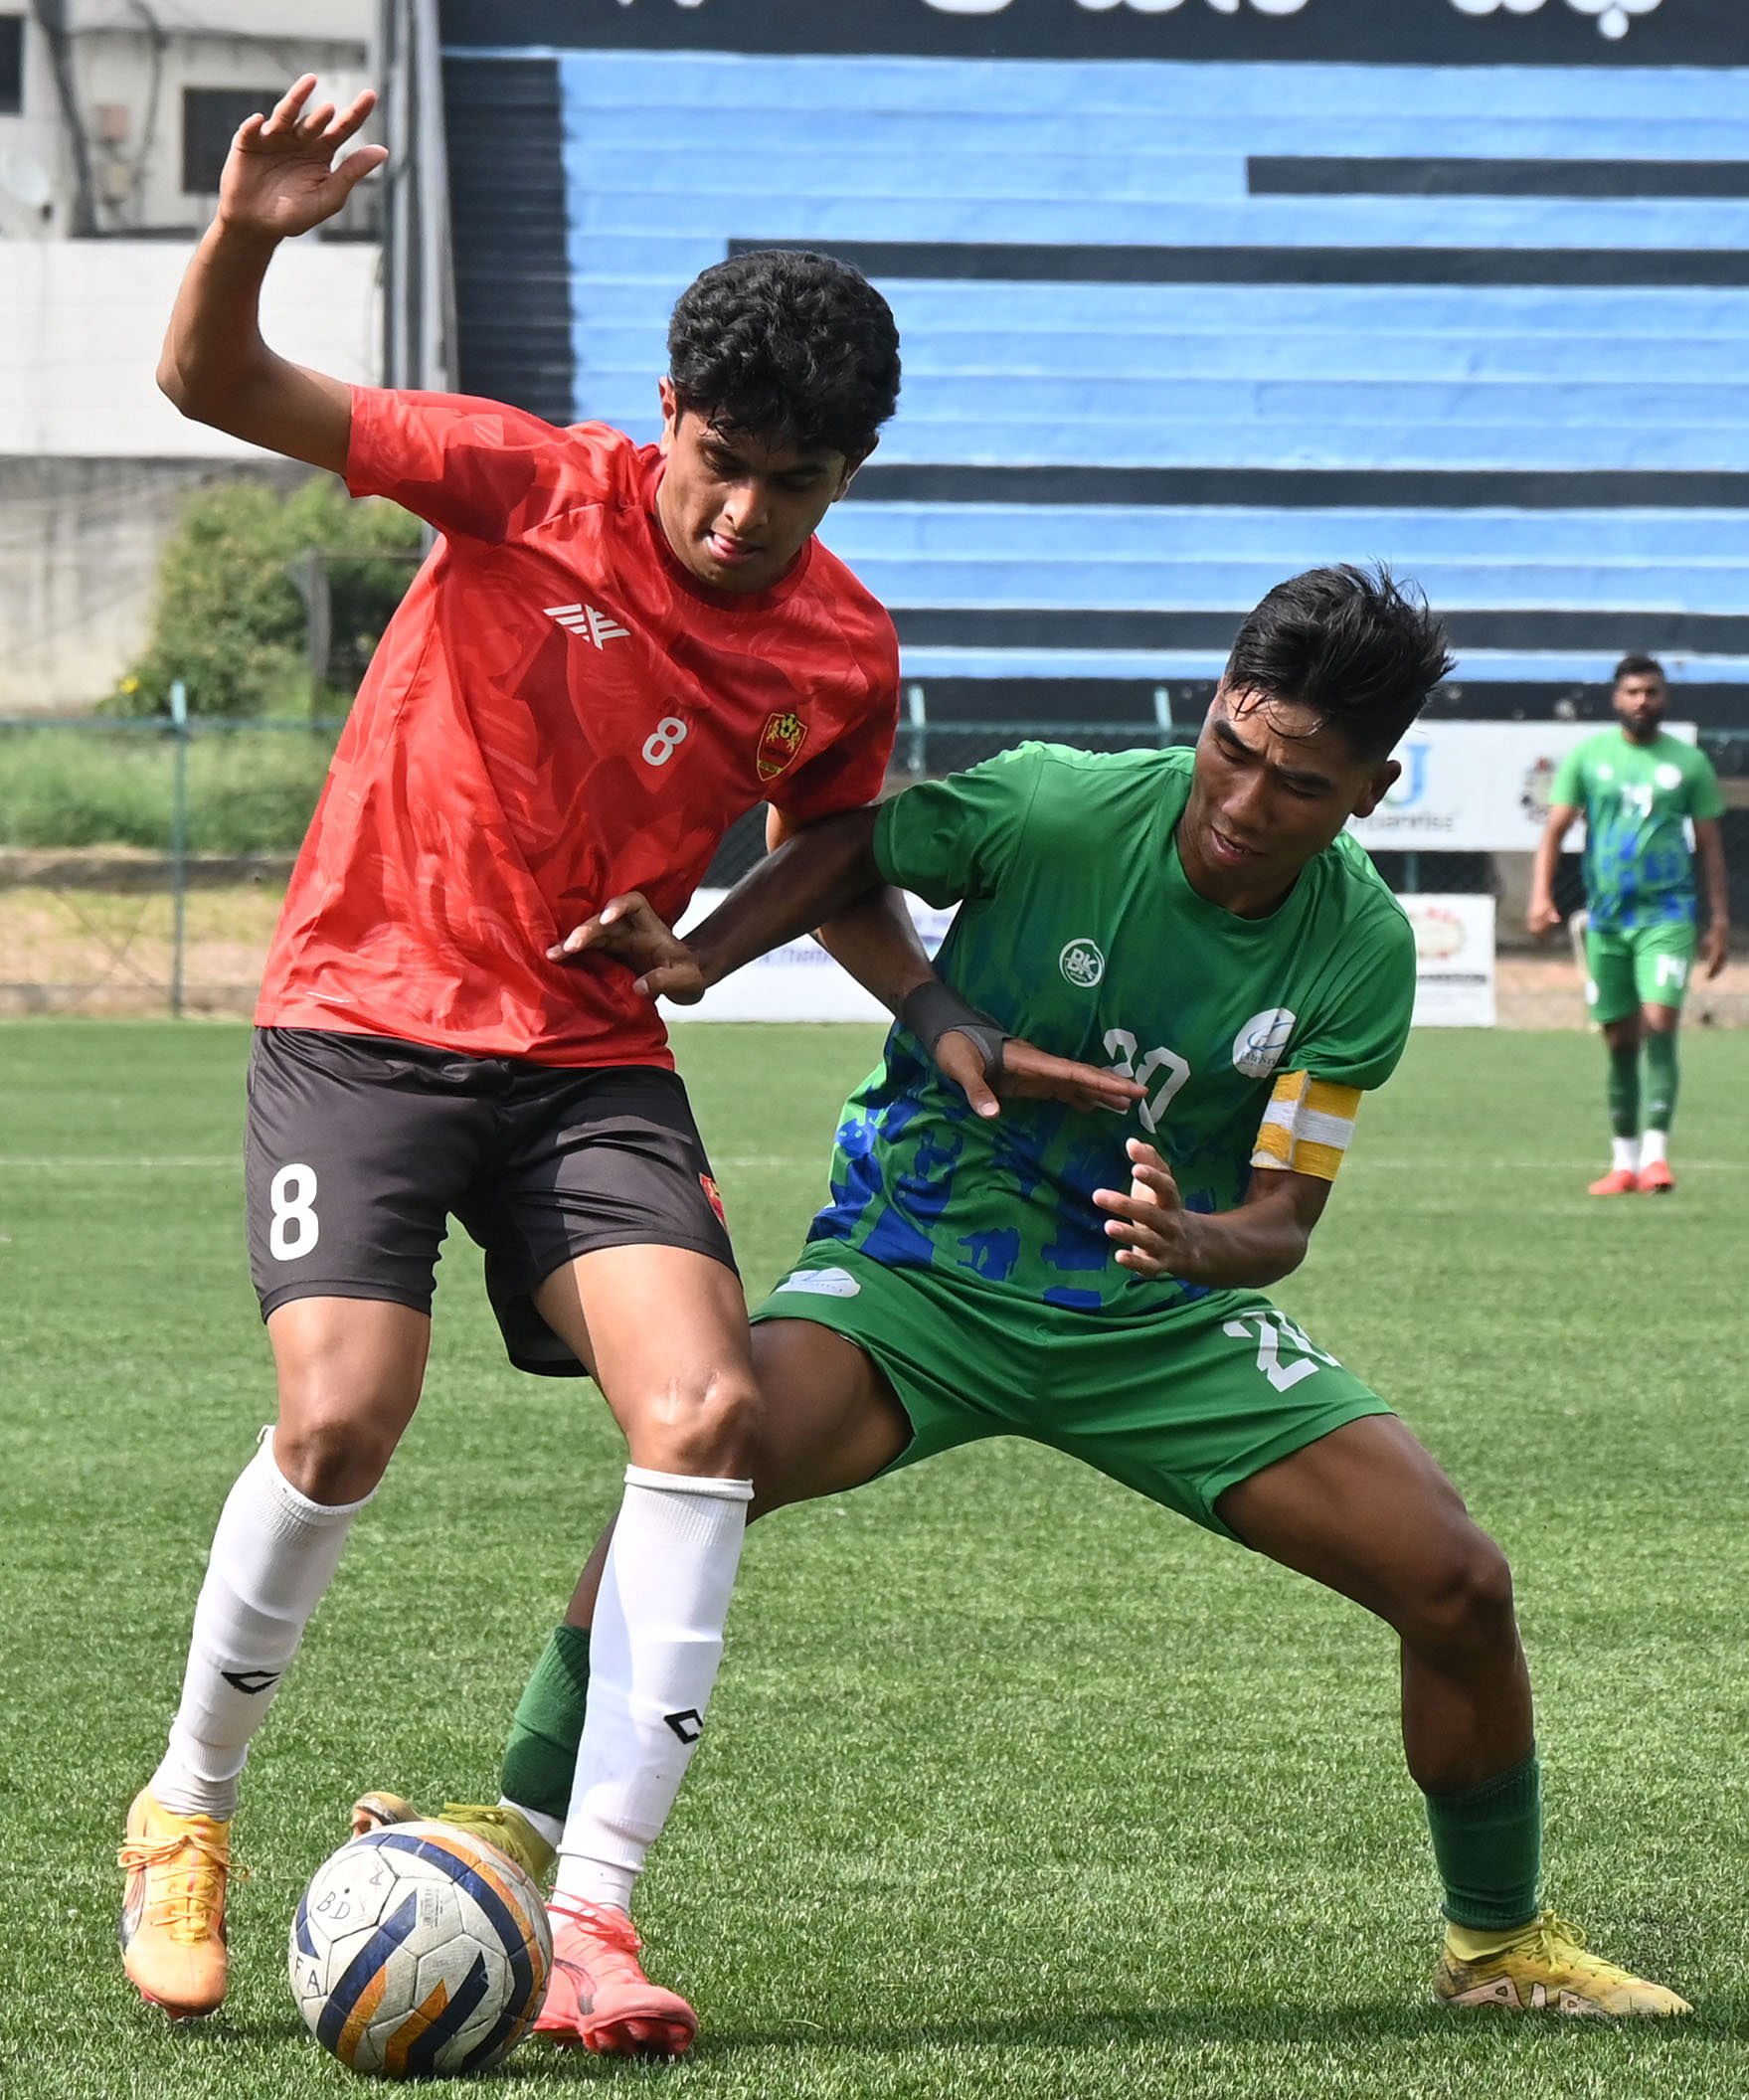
{"type": "Point", "coordinates": [418, 294]}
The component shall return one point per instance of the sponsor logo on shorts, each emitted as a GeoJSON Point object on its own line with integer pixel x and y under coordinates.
{"type": "Point", "coordinates": [687, 1724]}
{"type": "Point", "coordinates": [712, 1195]}
{"type": "Point", "coordinates": [821, 1283]}
{"type": "Point", "coordinates": [781, 738]}
{"type": "Point", "coordinates": [1082, 964]}
{"type": "Point", "coordinates": [1259, 1045]}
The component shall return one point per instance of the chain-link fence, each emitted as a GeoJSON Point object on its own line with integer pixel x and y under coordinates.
{"type": "Point", "coordinates": [144, 863]}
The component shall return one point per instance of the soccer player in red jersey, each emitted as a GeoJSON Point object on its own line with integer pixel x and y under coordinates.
{"type": "Point", "coordinates": [612, 653]}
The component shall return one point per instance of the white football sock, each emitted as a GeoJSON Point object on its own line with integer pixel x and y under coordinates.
{"type": "Point", "coordinates": [1655, 1148]}
{"type": "Point", "coordinates": [653, 1652]}
{"type": "Point", "coordinates": [1625, 1154]}
{"type": "Point", "coordinates": [273, 1555]}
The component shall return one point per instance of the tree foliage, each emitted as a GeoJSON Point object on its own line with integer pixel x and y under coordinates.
{"type": "Point", "coordinates": [230, 620]}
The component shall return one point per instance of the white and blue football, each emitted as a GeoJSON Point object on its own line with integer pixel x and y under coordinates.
{"type": "Point", "coordinates": [420, 1951]}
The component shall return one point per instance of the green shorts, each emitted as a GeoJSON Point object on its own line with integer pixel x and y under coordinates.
{"type": "Point", "coordinates": [1637, 966]}
{"type": "Point", "coordinates": [1180, 1404]}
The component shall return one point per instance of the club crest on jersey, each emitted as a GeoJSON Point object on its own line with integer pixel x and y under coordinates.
{"type": "Point", "coordinates": [1082, 964]}
{"type": "Point", "coordinates": [781, 738]}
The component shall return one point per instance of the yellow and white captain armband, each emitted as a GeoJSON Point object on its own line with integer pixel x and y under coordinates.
{"type": "Point", "coordinates": [1308, 1126]}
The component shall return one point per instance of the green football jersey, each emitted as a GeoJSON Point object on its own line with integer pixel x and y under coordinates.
{"type": "Point", "coordinates": [1638, 868]}
{"type": "Point", "coordinates": [1078, 930]}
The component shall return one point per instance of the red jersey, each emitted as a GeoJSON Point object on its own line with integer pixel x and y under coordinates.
{"type": "Point", "coordinates": [558, 712]}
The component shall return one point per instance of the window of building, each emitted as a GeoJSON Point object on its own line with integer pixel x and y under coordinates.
{"type": "Point", "coordinates": [210, 117]}
{"type": "Point", "coordinates": [11, 65]}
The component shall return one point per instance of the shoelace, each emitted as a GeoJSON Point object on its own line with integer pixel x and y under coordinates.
{"type": "Point", "coordinates": [601, 1922]}
{"type": "Point", "coordinates": [1555, 1936]}
{"type": "Point", "coordinates": [185, 1910]}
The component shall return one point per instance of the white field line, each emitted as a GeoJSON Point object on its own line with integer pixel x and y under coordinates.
{"type": "Point", "coordinates": [81, 1162]}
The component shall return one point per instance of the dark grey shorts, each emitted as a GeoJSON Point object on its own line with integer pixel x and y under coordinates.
{"type": "Point", "coordinates": [361, 1148]}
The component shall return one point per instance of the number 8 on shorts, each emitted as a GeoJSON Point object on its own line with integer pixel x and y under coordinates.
{"type": "Point", "coordinates": [294, 1228]}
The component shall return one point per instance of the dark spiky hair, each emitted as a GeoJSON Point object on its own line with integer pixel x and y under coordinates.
{"type": "Point", "coordinates": [796, 349]}
{"type": "Point", "coordinates": [1353, 645]}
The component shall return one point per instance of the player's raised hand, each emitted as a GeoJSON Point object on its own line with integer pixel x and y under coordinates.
{"type": "Point", "coordinates": [280, 176]}
{"type": "Point", "coordinates": [1029, 1074]}
{"type": "Point", "coordinates": [633, 932]}
{"type": "Point", "coordinates": [1150, 1222]}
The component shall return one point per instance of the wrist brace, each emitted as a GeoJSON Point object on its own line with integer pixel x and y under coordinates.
{"type": "Point", "coordinates": [934, 1009]}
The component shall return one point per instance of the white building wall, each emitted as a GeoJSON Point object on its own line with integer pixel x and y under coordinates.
{"type": "Point", "coordinates": [82, 323]}
{"type": "Point", "coordinates": [95, 463]}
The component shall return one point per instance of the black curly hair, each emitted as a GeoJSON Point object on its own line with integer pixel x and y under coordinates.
{"type": "Point", "coordinates": [1360, 650]}
{"type": "Point", "coordinates": [796, 349]}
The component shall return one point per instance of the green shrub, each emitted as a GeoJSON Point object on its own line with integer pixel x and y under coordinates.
{"type": "Point", "coordinates": [229, 621]}
{"type": "Point", "coordinates": [248, 791]}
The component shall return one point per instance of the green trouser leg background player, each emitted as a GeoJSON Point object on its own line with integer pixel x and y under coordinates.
{"type": "Point", "coordinates": [1636, 981]}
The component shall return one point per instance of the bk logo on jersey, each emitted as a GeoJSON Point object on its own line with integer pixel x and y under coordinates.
{"type": "Point", "coordinates": [781, 738]}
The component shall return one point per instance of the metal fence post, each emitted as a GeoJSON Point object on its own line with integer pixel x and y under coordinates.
{"type": "Point", "coordinates": [179, 734]}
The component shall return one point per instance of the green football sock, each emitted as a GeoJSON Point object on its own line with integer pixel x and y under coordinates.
{"type": "Point", "coordinates": [1487, 1841]}
{"type": "Point", "coordinates": [1661, 1080]}
{"type": "Point", "coordinates": [1625, 1091]}
{"type": "Point", "coordinates": [541, 1755]}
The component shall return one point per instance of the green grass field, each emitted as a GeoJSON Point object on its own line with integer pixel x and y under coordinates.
{"type": "Point", "coordinates": [1014, 1785]}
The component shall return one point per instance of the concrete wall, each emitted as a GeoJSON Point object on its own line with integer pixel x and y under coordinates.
{"type": "Point", "coordinates": [95, 463]}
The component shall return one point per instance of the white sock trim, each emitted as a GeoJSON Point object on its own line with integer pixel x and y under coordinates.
{"type": "Point", "coordinates": [1625, 1156]}
{"type": "Point", "coordinates": [723, 1490]}
{"type": "Point", "coordinates": [551, 1827]}
{"type": "Point", "coordinates": [1654, 1148]}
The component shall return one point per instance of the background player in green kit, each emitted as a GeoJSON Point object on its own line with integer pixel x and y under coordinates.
{"type": "Point", "coordinates": [1201, 924]}
{"type": "Point", "coordinates": [1637, 787]}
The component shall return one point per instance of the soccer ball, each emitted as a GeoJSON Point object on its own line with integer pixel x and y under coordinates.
{"type": "Point", "coordinates": [420, 1951]}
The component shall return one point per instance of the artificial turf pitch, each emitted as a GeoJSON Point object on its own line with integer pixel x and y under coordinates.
{"type": "Point", "coordinates": [1014, 1785]}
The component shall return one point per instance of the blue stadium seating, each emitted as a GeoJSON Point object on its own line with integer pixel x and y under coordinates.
{"type": "Point", "coordinates": [670, 157]}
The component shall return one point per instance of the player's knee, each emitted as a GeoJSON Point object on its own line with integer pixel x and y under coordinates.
{"type": "Point", "coordinates": [704, 1426]}
{"type": "Point", "coordinates": [332, 1457]}
{"type": "Point", "coordinates": [1465, 1598]}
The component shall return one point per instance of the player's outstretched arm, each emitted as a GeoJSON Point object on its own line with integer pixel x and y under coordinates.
{"type": "Point", "coordinates": [1257, 1244]}
{"type": "Point", "coordinates": [1715, 943]}
{"type": "Point", "coordinates": [808, 879]}
{"type": "Point", "coordinates": [1541, 916]}
{"type": "Point", "coordinates": [279, 180]}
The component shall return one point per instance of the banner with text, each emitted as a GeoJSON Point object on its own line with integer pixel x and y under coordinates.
{"type": "Point", "coordinates": [1475, 786]}
{"type": "Point", "coordinates": [1453, 942]}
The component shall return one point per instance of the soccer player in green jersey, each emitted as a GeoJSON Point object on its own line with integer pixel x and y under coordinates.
{"type": "Point", "coordinates": [1201, 926]}
{"type": "Point", "coordinates": [1638, 789]}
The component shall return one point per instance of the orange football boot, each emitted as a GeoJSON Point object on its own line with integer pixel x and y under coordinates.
{"type": "Point", "coordinates": [598, 1996]}
{"type": "Point", "coordinates": [1656, 1179]}
{"type": "Point", "coordinates": [173, 1908]}
{"type": "Point", "coordinates": [1619, 1181]}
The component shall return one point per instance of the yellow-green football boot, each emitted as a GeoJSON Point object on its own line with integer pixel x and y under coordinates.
{"type": "Point", "coordinates": [1545, 1968]}
{"type": "Point", "coordinates": [498, 1824]}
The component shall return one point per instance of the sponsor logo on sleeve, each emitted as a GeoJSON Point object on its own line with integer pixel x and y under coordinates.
{"type": "Point", "coordinates": [1258, 1046]}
